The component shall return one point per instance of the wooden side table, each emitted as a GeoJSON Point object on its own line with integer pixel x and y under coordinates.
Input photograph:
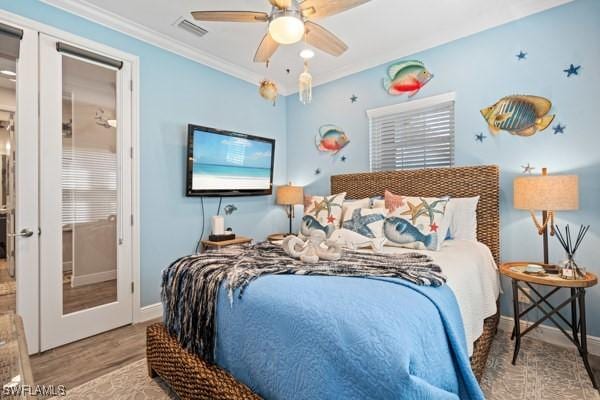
{"type": "Point", "coordinates": [207, 244]}
{"type": "Point", "coordinates": [277, 237]}
{"type": "Point", "coordinates": [577, 324]}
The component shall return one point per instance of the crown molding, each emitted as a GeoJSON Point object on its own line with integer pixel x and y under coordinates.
{"type": "Point", "coordinates": [116, 22]}
{"type": "Point", "coordinates": [91, 12]}
{"type": "Point", "coordinates": [526, 9]}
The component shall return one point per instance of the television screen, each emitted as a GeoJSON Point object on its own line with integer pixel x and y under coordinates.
{"type": "Point", "coordinates": [222, 163]}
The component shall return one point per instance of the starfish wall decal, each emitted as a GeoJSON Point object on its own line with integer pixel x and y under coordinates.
{"type": "Point", "coordinates": [572, 70]}
{"type": "Point", "coordinates": [353, 98]}
{"type": "Point", "coordinates": [360, 223]}
{"type": "Point", "coordinates": [479, 137]}
{"type": "Point", "coordinates": [522, 55]}
{"type": "Point", "coordinates": [318, 171]}
{"type": "Point", "coordinates": [527, 169]}
{"type": "Point", "coordinates": [343, 159]}
{"type": "Point", "coordinates": [558, 128]}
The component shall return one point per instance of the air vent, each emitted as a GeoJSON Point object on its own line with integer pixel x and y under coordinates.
{"type": "Point", "coordinates": [191, 27]}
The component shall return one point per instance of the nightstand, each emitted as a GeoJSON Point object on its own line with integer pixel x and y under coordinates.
{"type": "Point", "coordinates": [208, 244]}
{"type": "Point", "coordinates": [277, 237]}
{"type": "Point", "coordinates": [577, 324]}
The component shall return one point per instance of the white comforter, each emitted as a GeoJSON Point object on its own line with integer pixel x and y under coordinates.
{"type": "Point", "coordinates": [472, 276]}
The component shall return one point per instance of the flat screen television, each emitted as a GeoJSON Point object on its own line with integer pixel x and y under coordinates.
{"type": "Point", "coordinates": [223, 163]}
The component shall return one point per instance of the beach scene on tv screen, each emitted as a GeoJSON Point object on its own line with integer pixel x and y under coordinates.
{"type": "Point", "coordinates": [224, 162]}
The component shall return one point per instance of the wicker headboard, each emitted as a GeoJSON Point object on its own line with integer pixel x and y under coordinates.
{"type": "Point", "coordinates": [481, 181]}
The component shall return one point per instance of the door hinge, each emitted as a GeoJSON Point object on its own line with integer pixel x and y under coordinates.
{"type": "Point", "coordinates": [131, 85]}
{"type": "Point", "coordinates": [131, 219]}
{"type": "Point", "coordinates": [132, 287]}
{"type": "Point", "coordinates": [131, 152]}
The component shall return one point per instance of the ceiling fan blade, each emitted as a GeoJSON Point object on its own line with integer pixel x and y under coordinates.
{"type": "Point", "coordinates": [268, 46]}
{"type": "Point", "coordinates": [322, 39]}
{"type": "Point", "coordinates": [230, 16]}
{"type": "Point", "coordinates": [315, 9]}
{"type": "Point", "coordinates": [281, 4]}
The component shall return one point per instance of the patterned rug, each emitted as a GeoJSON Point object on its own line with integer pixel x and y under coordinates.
{"type": "Point", "coordinates": [543, 371]}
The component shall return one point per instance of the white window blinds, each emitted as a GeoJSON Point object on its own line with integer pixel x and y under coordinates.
{"type": "Point", "coordinates": [89, 185]}
{"type": "Point", "coordinates": [415, 134]}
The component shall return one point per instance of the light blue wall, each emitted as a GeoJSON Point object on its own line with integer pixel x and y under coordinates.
{"type": "Point", "coordinates": [481, 69]}
{"type": "Point", "coordinates": [175, 91]}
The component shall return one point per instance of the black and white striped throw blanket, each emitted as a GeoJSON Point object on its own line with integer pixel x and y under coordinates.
{"type": "Point", "coordinates": [190, 285]}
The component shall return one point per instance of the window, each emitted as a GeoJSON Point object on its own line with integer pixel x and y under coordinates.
{"type": "Point", "coordinates": [414, 134]}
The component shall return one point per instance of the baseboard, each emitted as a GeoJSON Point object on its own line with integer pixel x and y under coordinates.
{"type": "Point", "coordinates": [549, 334]}
{"type": "Point", "coordinates": [149, 312]}
{"type": "Point", "coordinates": [80, 280]}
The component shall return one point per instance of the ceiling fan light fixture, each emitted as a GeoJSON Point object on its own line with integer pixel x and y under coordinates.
{"type": "Point", "coordinates": [286, 27]}
{"type": "Point", "coordinates": [307, 54]}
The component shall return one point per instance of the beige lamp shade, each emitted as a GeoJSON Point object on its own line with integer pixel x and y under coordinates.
{"type": "Point", "coordinates": [290, 195]}
{"type": "Point", "coordinates": [546, 192]}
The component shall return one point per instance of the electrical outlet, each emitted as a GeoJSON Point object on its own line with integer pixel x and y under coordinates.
{"type": "Point", "coordinates": [523, 299]}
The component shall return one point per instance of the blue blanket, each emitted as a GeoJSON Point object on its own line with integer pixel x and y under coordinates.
{"type": "Point", "coordinates": [319, 337]}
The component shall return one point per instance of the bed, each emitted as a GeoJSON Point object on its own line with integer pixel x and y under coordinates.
{"type": "Point", "coordinates": [191, 377]}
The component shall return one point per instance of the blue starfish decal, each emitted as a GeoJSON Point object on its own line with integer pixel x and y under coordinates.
{"type": "Point", "coordinates": [343, 159]}
{"type": "Point", "coordinates": [360, 224]}
{"type": "Point", "coordinates": [572, 70]}
{"type": "Point", "coordinates": [522, 55]}
{"type": "Point", "coordinates": [558, 129]}
{"type": "Point", "coordinates": [479, 137]}
{"type": "Point", "coordinates": [318, 171]}
{"type": "Point", "coordinates": [354, 98]}
{"type": "Point", "coordinates": [527, 169]}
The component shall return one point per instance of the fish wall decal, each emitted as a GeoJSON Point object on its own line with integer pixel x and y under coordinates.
{"type": "Point", "coordinates": [331, 139]}
{"type": "Point", "coordinates": [522, 115]}
{"type": "Point", "coordinates": [406, 77]}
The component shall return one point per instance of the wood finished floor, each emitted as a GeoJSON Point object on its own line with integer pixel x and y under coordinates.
{"type": "Point", "coordinates": [79, 362]}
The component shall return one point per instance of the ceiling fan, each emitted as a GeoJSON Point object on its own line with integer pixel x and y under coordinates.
{"type": "Point", "coordinates": [289, 22]}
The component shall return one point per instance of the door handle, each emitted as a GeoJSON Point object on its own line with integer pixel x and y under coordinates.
{"type": "Point", "coordinates": [24, 233]}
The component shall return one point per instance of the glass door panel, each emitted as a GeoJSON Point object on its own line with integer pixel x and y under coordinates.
{"type": "Point", "coordinates": [89, 184]}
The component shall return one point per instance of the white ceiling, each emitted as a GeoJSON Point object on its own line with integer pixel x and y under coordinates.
{"type": "Point", "coordinates": [376, 32]}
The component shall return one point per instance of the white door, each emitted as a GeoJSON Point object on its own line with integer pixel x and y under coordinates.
{"type": "Point", "coordinates": [85, 192]}
{"type": "Point", "coordinates": [19, 65]}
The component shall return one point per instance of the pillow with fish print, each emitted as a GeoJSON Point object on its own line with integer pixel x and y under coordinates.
{"type": "Point", "coordinates": [415, 222]}
{"type": "Point", "coordinates": [323, 213]}
{"type": "Point", "coordinates": [368, 202]}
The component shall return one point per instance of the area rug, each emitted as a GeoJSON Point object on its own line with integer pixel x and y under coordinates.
{"type": "Point", "coordinates": [543, 371]}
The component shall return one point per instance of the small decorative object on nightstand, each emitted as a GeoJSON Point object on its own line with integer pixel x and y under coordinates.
{"type": "Point", "coordinates": [208, 244]}
{"type": "Point", "coordinates": [546, 193]}
{"type": "Point", "coordinates": [290, 196]}
{"type": "Point", "coordinates": [527, 274]}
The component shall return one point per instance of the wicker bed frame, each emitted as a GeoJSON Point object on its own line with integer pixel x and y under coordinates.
{"type": "Point", "coordinates": [192, 378]}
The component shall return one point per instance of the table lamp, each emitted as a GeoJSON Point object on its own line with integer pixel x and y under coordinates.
{"type": "Point", "coordinates": [289, 195]}
{"type": "Point", "coordinates": [548, 194]}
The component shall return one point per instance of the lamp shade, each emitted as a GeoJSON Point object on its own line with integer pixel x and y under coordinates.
{"type": "Point", "coordinates": [546, 192]}
{"type": "Point", "coordinates": [290, 195]}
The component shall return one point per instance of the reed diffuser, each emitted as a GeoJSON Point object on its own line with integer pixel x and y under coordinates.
{"type": "Point", "coordinates": [570, 269]}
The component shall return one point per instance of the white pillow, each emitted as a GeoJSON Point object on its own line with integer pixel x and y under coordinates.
{"type": "Point", "coordinates": [353, 240]}
{"type": "Point", "coordinates": [462, 218]}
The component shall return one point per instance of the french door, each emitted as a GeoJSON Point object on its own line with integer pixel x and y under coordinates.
{"type": "Point", "coordinates": [85, 200]}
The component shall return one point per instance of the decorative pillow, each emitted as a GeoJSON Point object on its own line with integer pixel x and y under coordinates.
{"type": "Point", "coordinates": [462, 218]}
{"type": "Point", "coordinates": [369, 202]}
{"type": "Point", "coordinates": [323, 213]}
{"type": "Point", "coordinates": [415, 222]}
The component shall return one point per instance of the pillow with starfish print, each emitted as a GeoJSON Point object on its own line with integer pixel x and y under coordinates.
{"type": "Point", "coordinates": [415, 222]}
{"type": "Point", "coordinates": [322, 213]}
